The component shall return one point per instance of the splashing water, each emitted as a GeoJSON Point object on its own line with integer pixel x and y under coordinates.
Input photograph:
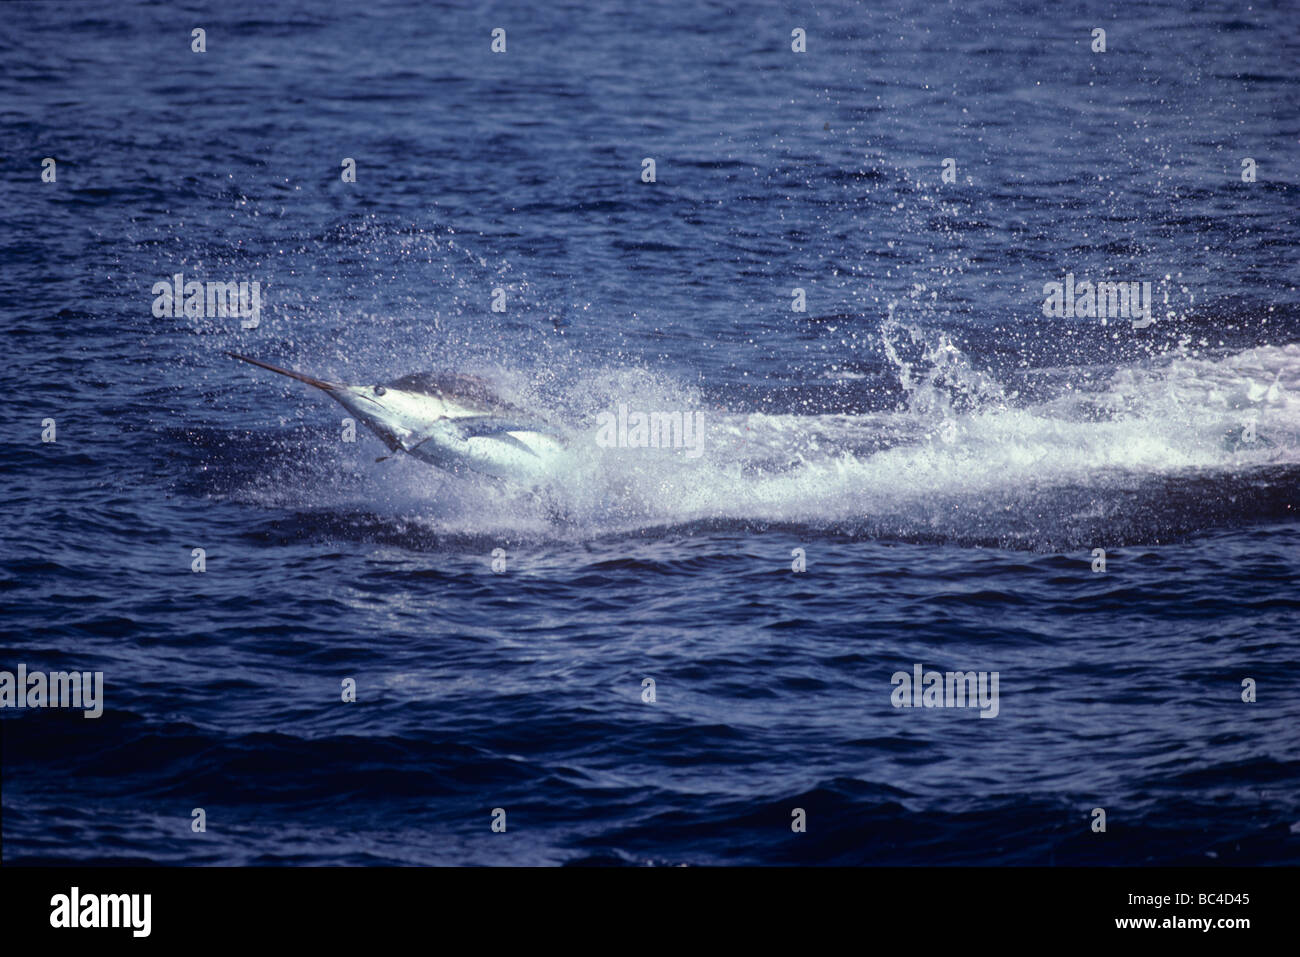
{"type": "Point", "coordinates": [1152, 450]}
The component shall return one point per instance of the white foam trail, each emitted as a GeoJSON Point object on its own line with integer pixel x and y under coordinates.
{"type": "Point", "coordinates": [960, 452]}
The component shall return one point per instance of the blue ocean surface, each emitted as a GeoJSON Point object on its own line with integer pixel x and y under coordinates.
{"type": "Point", "coordinates": [839, 267]}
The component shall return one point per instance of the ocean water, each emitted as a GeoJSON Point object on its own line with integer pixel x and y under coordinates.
{"type": "Point", "coordinates": [946, 456]}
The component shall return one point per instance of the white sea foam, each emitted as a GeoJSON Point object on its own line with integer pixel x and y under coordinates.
{"type": "Point", "coordinates": [963, 453]}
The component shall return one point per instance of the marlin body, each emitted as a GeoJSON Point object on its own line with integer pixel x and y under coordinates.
{"type": "Point", "coordinates": [454, 422]}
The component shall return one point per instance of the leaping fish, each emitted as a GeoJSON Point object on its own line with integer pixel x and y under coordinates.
{"type": "Point", "coordinates": [455, 422]}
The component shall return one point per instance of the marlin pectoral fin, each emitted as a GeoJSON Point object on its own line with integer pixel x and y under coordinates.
{"type": "Point", "coordinates": [450, 430]}
{"type": "Point", "coordinates": [497, 427]}
{"type": "Point", "coordinates": [477, 425]}
{"type": "Point", "coordinates": [505, 438]}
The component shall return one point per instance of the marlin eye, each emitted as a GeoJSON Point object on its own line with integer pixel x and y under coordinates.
{"type": "Point", "coordinates": [380, 390]}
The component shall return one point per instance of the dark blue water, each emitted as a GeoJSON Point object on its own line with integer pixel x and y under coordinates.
{"type": "Point", "coordinates": [947, 457]}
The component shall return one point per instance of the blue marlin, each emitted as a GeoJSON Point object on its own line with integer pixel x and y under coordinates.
{"type": "Point", "coordinates": [455, 422]}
